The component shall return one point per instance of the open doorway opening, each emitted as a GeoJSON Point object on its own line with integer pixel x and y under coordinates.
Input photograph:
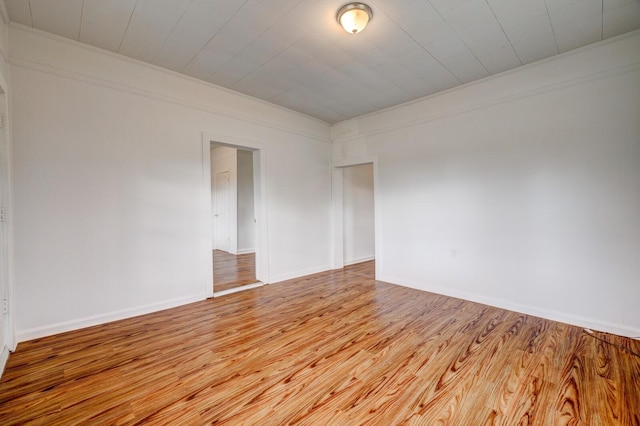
{"type": "Point", "coordinates": [358, 220]}
{"type": "Point", "coordinates": [234, 219]}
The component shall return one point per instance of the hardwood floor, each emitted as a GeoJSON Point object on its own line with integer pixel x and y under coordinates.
{"type": "Point", "coordinates": [363, 269]}
{"type": "Point", "coordinates": [335, 348]}
{"type": "Point", "coordinates": [231, 271]}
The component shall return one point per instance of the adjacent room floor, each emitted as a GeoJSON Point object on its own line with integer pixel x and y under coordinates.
{"type": "Point", "coordinates": [335, 348]}
{"type": "Point", "coordinates": [232, 271]}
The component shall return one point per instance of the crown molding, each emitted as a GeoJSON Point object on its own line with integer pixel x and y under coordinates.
{"type": "Point", "coordinates": [208, 107]}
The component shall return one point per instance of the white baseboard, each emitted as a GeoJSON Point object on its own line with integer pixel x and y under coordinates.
{"type": "Point", "coordinates": [4, 357]}
{"type": "Point", "coordinates": [48, 330]}
{"type": "Point", "coordinates": [577, 320]}
{"type": "Point", "coordinates": [291, 275]}
{"type": "Point", "coordinates": [237, 289]}
{"type": "Point", "coordinates": [246, 251]}
{"type": "Point", "coordinates": [359, 260]}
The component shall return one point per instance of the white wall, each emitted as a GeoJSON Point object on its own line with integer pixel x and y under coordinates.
{"type": "Point", "coordinates": [246, 209]}
{"type": "Point", "coordinates": [7, 341]}
{"type": "Point", "coordinates": [225, 159]}
{"type": "Point", "coordinates": [520, 191]}
{"type": "Point", "coordinates": [109, 214]}
{"type": "Point", "coordinates": [358, 214]}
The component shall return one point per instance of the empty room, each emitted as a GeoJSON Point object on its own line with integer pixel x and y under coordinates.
{"type": "Point", "coordinates": [314, 212]}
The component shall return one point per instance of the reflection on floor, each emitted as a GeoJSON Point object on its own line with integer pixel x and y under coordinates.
{"type": "Point", "coordinates": [231, 271]}
{"type": "Point", "coordinates": [364, 269]}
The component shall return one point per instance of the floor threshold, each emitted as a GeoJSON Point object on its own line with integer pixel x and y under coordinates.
{"type": "Point", "coordinates": [237, 289]}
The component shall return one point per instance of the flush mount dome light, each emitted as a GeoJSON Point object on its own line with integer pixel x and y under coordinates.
{"type": "Point", "coordinates": [354, 17]}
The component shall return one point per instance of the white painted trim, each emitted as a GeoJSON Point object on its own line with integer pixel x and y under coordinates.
{"type": "Point", "coordinates": [297, 274]}
{"type": "Point", "coordinates": [577, 320]}
{"type": "Point", "coordinates": [4, 357]}
{"type": "Point", "coordinates": [356, 161]}
{"type": "Point", "coordinates": [246, 251]}
{"type": "Point", "coordinates": [237, 289]}
{"type": "Point", "coordinates": [337, 224]}
{"type": "Point", "coordinates": [486, 104]}
{"type": "Point", "coordinates": [260, 203]}
{"type": "Point", "coordinates": [48, 330]}
{"type": "Point", "coordinates": [377, 219]}
{"type": "Point", "coordinates": [48, 68]}
{"type": "Point", "coordinates": [222, 139]}
{"type": "Point", "coordinates": [261, 194]}
{"type": "Point", "coordinates": [360, 260]}
{"type": "Point", "coordinates": [337, 252]}
{"type": "Point", "coordinates": [525, 93]}
{"type": "Point", "coordinates": [207, 278]}
{"type": "Point", "coordinates": [11, 341]}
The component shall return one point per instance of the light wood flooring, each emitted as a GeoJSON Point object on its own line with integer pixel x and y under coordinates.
{"type": "Point", "coordinates": [363, 269]}
{"type": "Point", "coordinates": [231, 271]}
{"type": "Point", "coordinates": [335, 348]}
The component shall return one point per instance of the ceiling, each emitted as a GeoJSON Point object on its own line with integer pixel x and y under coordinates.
{"type": "Point", "coordinates": [293, 52]}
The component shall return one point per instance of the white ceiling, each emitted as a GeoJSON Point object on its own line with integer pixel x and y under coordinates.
{"type": "Point", "coordinates": [293, 52]}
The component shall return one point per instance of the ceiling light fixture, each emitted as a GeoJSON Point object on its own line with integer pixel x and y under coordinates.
{"type": "Point", "coordinates": [354, 17]}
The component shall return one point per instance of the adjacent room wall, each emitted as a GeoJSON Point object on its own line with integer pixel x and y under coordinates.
{"type": "Point", "coordinates": [358, 214]}
{"type": "Point", "coordinates": [520, 191]}
{"type": "Point", "coordinates": [109, 187]}
{"type": "Point", "coordinates": [239, 164]}
{"type": "Point", "coordinates": [246, 209]}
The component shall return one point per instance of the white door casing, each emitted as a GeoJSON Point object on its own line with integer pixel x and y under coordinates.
{"type": "Point", "coordinates": [260, 161]}
{"type": "Point", "coordinates": [7, 338]}
{"type": "Point", "coordinates": [337, 253]}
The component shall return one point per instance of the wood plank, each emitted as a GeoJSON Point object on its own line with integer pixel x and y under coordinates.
{"type": "Point", "coordinates": [332, 348]}
{"type": "Point", "coordinates": [231, 271]}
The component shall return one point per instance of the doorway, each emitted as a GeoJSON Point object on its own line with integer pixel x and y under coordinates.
{"type": "Point", "coordinates": [355, 217]}
{"type": "Point", "coordinates": [358, 219]}
{"type": "Point", "coordinates": [236, 201]}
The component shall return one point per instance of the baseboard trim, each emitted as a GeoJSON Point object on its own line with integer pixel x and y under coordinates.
{"type": "Point", "coordinates": [237, 289]}
{"type": "Point", "coordinates": [291, 275]}
{"type": "Point", "coordinates": [577, 320]}
{"type": "Point", "coordinates": [62, 327]}
{"type": "Point", "coordinates": [246, 251]}
{"type": "Point", "coordinates": [359, 260]}
{"type": "Point", "coordinates": [4, 357]}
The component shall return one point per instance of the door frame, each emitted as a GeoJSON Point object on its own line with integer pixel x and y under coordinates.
{"type": "Point", "coordinates": [9, 344]}
{"type": "Point", "coordinates": [337, 191]}
{"type": "Point", "coordinates": [259, 197]}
